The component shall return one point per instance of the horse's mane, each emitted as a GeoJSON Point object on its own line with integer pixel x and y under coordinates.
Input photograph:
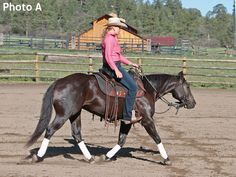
{"type": "Point", "coordinates": [159, 81]}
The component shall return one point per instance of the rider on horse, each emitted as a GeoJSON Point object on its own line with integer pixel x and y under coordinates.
{"type": "Point", "coordinates": [112, 59]}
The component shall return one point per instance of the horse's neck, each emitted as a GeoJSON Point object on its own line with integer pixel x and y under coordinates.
{"type": "Point", "coordinates": [163, 84]}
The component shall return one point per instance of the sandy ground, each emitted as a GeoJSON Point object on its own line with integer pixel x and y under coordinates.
{"type": "Point", "coordinates": [200, 142]}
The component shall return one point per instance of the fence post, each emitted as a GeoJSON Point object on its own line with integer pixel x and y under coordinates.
{"type": "Point", "coordinates": [90, 65]}
{"type": "Point", "coordinates": [184, 66]}
{"type": "Point", "coordinates": [37, 79]}
{"type": "Point", "coordinates": [139, 61]}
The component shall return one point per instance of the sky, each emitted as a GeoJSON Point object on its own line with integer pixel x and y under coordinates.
{"type": "Point", "coordinates": [207, 5]}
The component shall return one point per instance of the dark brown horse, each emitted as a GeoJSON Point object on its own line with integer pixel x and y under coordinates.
{"type": "Point", "coordinates": [75, 92]}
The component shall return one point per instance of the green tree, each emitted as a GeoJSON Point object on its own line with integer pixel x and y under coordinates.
{"type": "Point", "coordinates": [220, 25]}
{"type": "Point", "coordinates": [149, 17]}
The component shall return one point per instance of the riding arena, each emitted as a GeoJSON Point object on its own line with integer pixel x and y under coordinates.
{"type": "Point", "coordinates": [200, 141]}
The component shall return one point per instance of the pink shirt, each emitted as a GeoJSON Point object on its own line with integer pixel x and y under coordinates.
{"type": "Point", "coordinates": [111, 51]}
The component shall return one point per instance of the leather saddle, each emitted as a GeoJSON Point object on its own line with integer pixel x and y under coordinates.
{"type": "Point", "coordinates": [110, 87]}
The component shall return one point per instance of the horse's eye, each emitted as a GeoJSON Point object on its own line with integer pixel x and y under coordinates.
{"type": "Point", "coordinates": [188, 85]}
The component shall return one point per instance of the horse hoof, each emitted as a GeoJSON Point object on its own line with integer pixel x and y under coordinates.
{"type": "Point", "coordinates": [92, 160]}
{"type": "Point", "coordinates": [107, 159]}
{"type": "Point", "coordinates": [166, 161]}
{"type": "Point", "coordinates": [36, 159]}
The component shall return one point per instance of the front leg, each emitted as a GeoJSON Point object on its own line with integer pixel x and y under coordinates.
{"type": "Point", "coordinates": [149, 126]}
{"type": "Point", "coordinates": [124, 131]}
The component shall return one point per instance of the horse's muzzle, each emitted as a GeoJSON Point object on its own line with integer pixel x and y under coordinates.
{"type": "Point", "coordinates": [190, 104]}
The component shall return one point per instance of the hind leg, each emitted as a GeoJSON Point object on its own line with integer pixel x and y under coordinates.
{"type": "Point", "coordinates": [56, 124]}
{"type": "Point", "coordinates": [76, 127]}
{"type": "Point", "coordinates": [76, 133]}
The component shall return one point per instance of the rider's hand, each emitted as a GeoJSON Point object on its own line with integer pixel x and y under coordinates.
{"type": "Point", "coordinates": [118, 74]}
{"type": "Point", "coordinates": [134, 65]}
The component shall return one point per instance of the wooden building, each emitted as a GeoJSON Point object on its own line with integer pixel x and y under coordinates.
{"type": "Point", "coordinates": [162, 43]}
{"type": "Point", "coordinates": [163, 40]}
{"type": "Point", "coordinates": [91, 39]}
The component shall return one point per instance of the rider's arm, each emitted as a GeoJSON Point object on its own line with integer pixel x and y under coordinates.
{"type": "Point", "coordinates": [109, 44]}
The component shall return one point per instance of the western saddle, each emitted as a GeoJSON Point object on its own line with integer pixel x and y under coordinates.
{"type": "Point", "coordinates": [111, 88]}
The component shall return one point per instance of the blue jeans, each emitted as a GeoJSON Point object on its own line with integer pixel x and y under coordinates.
{"type": "Point", "coordinates": [131, 85]}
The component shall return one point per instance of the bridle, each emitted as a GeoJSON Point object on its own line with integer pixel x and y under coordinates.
{"type": "Point", "coordinates": [176, 105]}
{"type": "Point", "coordinates": [183, 99]}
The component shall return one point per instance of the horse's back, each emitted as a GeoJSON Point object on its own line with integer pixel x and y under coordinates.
{"type": "Point", "coordinates": [73, 78]}
{"type": "Point", "coordinates": [72, 84]}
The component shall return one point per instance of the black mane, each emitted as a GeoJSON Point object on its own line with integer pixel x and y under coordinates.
{"type": "Point", "coordinates": [161, 82]}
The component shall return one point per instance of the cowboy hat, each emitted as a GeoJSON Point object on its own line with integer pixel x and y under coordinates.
{"type": "Point", "coordinates": [115, 21]}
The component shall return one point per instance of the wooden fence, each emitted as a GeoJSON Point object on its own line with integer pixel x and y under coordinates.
{"type": "Point", "coordinates": [48, 66]}
{"type": "Point", "coordinates": [31, 42]}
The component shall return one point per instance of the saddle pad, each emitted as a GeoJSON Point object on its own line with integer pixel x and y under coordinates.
{"type": "Point", "coordinates": [113, 88]}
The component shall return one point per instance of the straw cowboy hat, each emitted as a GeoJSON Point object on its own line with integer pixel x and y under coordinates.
{"type": "Point", "coordinates": [115, 21]}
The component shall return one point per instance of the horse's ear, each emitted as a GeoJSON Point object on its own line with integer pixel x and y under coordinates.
{"type": "Point", "coordinates": [181, 75]}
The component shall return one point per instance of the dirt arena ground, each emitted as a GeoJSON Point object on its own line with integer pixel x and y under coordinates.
{"type": "Point", "coordinates": [200, 142]}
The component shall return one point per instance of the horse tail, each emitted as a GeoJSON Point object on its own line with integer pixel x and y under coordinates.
{"type": "Point", "coordinates": [45, 115]}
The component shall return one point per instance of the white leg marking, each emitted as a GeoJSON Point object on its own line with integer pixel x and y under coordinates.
{"type": "Point", "coordinates": [84, 150]}
{"type": "Point", "coordinates": [113, 151]}
{"type": "Point", "coordinates": [162, 151]}
{"type": "Point", "coordinates": [43, 147]}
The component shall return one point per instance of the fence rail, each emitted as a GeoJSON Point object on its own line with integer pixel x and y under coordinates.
{"type": "Point", "coordinates": [31, 42]}
{"type": "Point", "coordinates": [38, 67]}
